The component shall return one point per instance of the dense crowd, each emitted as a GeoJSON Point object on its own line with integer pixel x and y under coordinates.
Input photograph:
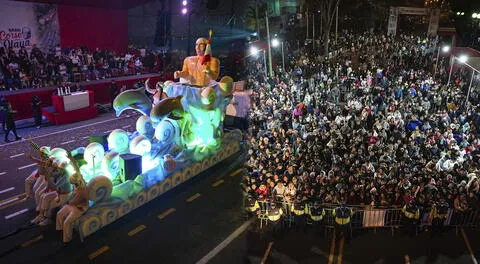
{"type": "Point", "coordinates": [35, 68]}
{"type": "Point", "coordinates": [370, 126]}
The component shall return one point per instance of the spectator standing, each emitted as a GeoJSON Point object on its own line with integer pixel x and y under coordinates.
{"type": "Point", "coordinates": [37, 114]}
{"type": "Point", "coordinates": [10, 122]}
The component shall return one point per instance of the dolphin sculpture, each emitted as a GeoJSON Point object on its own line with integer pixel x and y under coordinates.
{"type": "Point", "coordinates": [169, 107]}
{"type": "Point", "coordinates": [133, 99]}
{"type": "Point", "coordinates": [158, 93]}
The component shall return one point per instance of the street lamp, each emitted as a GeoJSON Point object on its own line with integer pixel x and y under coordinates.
{"type": "Point", "coordinates": [463, 59]}
{"type": "Point", "coordinates": [445, 49]}
{"type": "Point", "coordinates": [275, 44]}
{"type": "Point", "coordinates": [254, 51]}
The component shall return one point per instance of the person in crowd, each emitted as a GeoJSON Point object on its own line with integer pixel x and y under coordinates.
{"type": "Point", "coordinates": [3, 112]}
{"type": "Point", "coordinates": [10, 122]}
{"type": "Point", "coordinates": [37, 112]}
{"type": "Point", "coordinates": [368, 127]}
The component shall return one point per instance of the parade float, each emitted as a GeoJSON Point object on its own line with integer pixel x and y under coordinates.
{"type": "Point", "coordinates": [177, 137]}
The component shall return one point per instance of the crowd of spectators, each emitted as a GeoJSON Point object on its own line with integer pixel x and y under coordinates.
{"type": "Point", "coordinates": [372, 126]}
{"type": "Point", "coordinates": [35, 68]}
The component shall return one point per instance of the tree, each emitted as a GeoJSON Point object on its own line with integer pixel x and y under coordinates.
{"type": "Point", "coordinates": [327, 10]}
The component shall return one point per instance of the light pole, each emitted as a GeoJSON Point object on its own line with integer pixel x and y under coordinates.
{"type": "Point", "coordinates": [275, 44]}
{"type": "Point", "coordinates": [270, 70]}
{"type": "Point", "coordinates": [444, 49]}
{"type": "Point", "coordinates": [470, 86]}
{"type": "Point", "coordinates": [254, 51]}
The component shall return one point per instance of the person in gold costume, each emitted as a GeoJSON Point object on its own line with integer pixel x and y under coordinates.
{"type": "Point", "coordinates": [194, 71]}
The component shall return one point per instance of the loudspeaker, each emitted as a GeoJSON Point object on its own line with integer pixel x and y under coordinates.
{"type": "Point", "coordinates": [102, 139]}
{"type": "Point", "coordinates": [130, 166]}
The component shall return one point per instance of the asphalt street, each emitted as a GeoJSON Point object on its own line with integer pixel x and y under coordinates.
{"type": "Point", "coordinates": [201, 221]}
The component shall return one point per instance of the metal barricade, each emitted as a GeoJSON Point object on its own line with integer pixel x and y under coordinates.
{"type": "Point", "coordinates": [369, 217]}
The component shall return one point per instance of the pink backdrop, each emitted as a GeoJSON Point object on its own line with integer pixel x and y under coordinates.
{"type": "Point", "coordinates": [95, 27]}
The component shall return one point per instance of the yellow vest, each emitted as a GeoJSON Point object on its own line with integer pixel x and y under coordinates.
{"type": "Point", "coordinates": [274, 214]}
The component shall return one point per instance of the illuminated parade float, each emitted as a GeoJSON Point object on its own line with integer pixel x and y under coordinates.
{"type": "Point", "coordinates": [176, 138]}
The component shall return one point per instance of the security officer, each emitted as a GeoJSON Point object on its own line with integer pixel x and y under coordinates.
{"type": "Point", "coordinates": [315, 212]}
{"type": "Point", "coordinates": [412, 216]}
{"type": "Point", "coordinates": [342, 215]}
{"type": "Point", "coordinates": [439, 215]}
{"type": "Point", "coordinates": [298, 208]}
{"type": "Point", "coordinates": [251, 206]}
{"type": "Point", "coordinates": [274, 215]}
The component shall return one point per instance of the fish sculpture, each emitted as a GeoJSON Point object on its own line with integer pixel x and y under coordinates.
{"type": "Point", "coordinates": [169, 107]}
{"type": "Point", "coordinates": [132, 99]}
{"type": "Point", "coordinates": [158, 93]}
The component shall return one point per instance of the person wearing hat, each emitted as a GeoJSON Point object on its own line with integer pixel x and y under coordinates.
{"type": "Point", "coordinates": [411, 214]}
{"type": "Point", "coordinates": [439, 215]}
{"type": "Point", "coordinates": [41, 184]}
{"type": "Point", "coordinates": [274, 215]}
{"type": "Point", "coordinates": [298, 208]}
{"type": "Point", "coordinates": [75, 207]}
{"type": "Point", "coordinates": [196, 70]}
{"type": "Point", "coordinates": [251, 205]}
{"type": "Point", "coordinates": [315, 212]}
{"type": "Point", "coordinates": [57, 194]}
{"type": "Point", "coordinates": [343, 215]}
{"type": "Point", "coordinates": [38, 174]}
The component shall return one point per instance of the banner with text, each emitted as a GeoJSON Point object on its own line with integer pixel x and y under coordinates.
{"type": "Point", "coordinates": [28, 24]}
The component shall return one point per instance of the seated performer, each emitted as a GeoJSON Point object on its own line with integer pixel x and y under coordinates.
{"type": "Point", "coordinates": [41, 184]}
{"type": "Point", "coordinates": [37, 175]}
{"type": "Point", "coordinates": [75, 207]}
{"type": "Point", "coordinates": [197, 73]}
{"type": "Point", "coordinates": [57, 194]}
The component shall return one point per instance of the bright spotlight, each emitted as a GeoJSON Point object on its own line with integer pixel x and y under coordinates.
{"type": "Point", "coordinates": [184, 11]}
{"type": "Point", "coordinates": [475, 15]}
{"type": "Point", "coordinates": [458, 13]}
{"type": "Point", "coordinates": [463, 13]}
{"type": "Point", "coordinates": [253, 50]}
{"type": "Point", "coordinates": [275, 42]}
{"type": "Point", "coordinates": [445, 49]}
{"type": "Point", "coordinates": [463, 58]}
{"type": "Point", "coordinates": [184, 3]}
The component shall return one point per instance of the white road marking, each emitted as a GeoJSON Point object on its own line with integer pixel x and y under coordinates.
{"type": "Point", "coordinates": [125, 127]}
{"type": "Point", "coordinates": [2, 173]}
{"type": "Point", "coordinates": [225, 242]}
{"type": "Point", "coordinates": [70, 129]}
{"type": "Point", "coordinates": [7, 190]}
{"type": "Point", "coordinates": [67, 142]}
{"type": "Point", "coordinates": [9, 201]}
{"type": "Point", "coordinates": [27, 166]}
{"type": "Point", "coordinates": [18, 155]}
{"type": "Point", "coordinates": [108, 131]}
{"type": "Point", "coordinates": [16, 213]}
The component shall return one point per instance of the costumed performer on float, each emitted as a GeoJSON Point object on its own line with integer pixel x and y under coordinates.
{"type": "Point", "coordinates": [199, 70]}
{"type": "Point", "coordinates": [74, 208]}
{"type": "Point", "coordinates": [57, 193]}
{"type": "Point", "coordinates": [35, 179]}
